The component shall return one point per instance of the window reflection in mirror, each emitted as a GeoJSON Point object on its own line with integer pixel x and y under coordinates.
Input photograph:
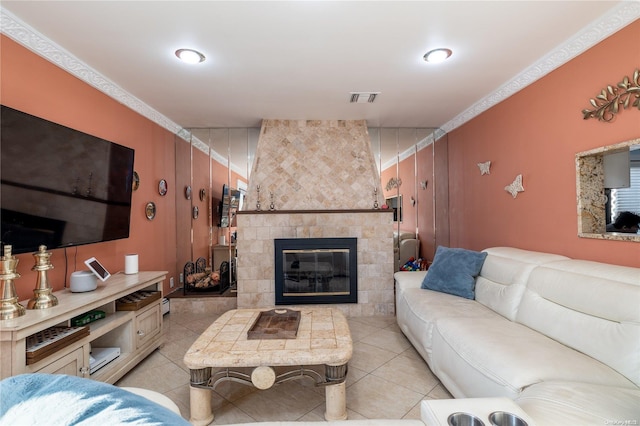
{"type": "Point", "coordinates": [395, 204]}
{"type": "Point", "coordinates": [622, 189]}
{"type": "Point", "coordinates": [608, 184]}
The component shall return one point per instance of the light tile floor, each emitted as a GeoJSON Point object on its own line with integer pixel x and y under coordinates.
{"type": "Point", "coordinates": [387, 378]}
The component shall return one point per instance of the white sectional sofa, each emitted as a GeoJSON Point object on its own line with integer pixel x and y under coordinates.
{"type": "Point", "coordinates": [560, 337]}
{"type": "Point", "coordinates": [405, 246]}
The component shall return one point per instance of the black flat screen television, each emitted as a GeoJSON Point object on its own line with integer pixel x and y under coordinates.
{"type": "Point", "coordinates": [60, 187]}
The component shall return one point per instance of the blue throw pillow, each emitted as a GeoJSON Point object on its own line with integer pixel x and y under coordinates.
{"type": "Point", "coordinates": [58, 399]}
{"type": "Point", "coordinates": [454, 271]}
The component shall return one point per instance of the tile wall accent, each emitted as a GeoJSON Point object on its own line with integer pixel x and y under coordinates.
{"type": "Point", "coordinates": [314, 165]}
{"type": "Point", "coordinates": [591, 203]}
{"type": "Point", "coordinates": [374, 230]}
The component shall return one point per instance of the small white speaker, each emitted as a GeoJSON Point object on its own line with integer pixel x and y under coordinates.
{"type": "Point", "coordinates": [82, 281]}
{"type": "Point", "coordinates": [130, 264]}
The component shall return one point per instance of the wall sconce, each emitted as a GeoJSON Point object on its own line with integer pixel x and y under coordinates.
{"type": "Point", "coordinates": [413, 201]}
{"type": "Point", "coordinates": [423, 184]}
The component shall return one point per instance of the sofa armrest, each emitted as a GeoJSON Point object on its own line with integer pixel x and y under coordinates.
{"type": "Point", "coordinates": [409, 248]}
{"type": "Point", "coordinates": [408, 279]}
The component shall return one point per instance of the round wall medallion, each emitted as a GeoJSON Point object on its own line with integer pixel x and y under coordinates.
{"type": "Point", "coordinates": [162, 187]}
{"type": "Point", "coordinates": [136, 181]}
{"type": "Point", "coordinates": [187, 192]}
{"type": "Point", "coordinates": [150, 210]}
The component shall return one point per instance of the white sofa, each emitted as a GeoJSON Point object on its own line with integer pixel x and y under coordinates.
{"type": "Point", "coordinates": [561, 337]}
{"type": "Point", "coordinates": [377, 422]}
{"type": "Point", "coordinates": [405, 246]}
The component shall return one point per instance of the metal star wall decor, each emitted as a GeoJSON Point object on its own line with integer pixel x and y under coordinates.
{"type": "Point", "coordinates": [514, 187]}
{"type": "Point", "coordinates": [484, 168]}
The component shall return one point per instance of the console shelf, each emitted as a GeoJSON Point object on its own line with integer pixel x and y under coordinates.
{"type": "Point", "coordinates": [136, 332]}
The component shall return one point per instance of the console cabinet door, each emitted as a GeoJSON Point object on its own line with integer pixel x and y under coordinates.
{"type": "Point", "coordinates": [148, 324]}
{"type": "Point", "coordinates": [71, 364]}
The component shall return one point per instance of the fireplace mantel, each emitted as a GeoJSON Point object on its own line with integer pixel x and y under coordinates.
{"type": "Point", "coordinates": [314, 211]}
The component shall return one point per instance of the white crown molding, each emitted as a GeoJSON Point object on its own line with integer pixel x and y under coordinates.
{"type": "Point", "coordinates": [31, 39]}
{"type": "Point", "coordinates": [611, 22]}
{"type": "Point", "coordinates": [616, 19]}
{"type": "Point", "coordinates": [28, 37]}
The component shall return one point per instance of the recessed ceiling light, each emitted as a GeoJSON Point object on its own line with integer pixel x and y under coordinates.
{"type": "Point", "coordinates": [190, 56]}
{"type": "Point", "coordinates": [437, 55]}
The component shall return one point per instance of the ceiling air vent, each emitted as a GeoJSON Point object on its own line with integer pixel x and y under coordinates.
{"type": "Point", "coordinates": [363, 97]}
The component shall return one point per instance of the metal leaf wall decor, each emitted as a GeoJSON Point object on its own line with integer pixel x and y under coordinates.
{"type": "Point", "coordinates": [393, 183]}
{"type": "Point", "coordinates": [607, 104]}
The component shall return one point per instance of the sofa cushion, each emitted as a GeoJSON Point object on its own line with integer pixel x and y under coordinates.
{"type": "Point", "coordinates": [573, 403]}
{"type": "Point", "coordinates": [498, 357]}
{"type": "Point", "coordinates": [454, 271]}
{"type": "Point", "coordinates": [589, 306]}
{"type": "Point", "coordinates": [367, 422]}
{"type": "Point", "coordinates": [504, 274]}
{"type": "Point", "coordinates": [418, 310]}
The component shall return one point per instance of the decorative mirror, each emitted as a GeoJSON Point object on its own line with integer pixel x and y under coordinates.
{"type": "Point", "coordinates": [150, 210]}
{"type": "Point", "coordinates": [608, 184]}
{"type": "Point", "coordinates": [162, 187]}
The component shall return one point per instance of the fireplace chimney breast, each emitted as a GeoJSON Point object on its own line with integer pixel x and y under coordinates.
{"type": "Point", "coordinates": [314, 165]}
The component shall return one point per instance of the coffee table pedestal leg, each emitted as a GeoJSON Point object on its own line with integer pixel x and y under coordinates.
{"type": "Point", "coordinates": [200, 398]}
{"type": "Point", "coordinates": [336, 394]}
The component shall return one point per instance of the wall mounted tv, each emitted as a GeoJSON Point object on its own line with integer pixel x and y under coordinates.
{"type": "Point", "coordinates": [60, 187]}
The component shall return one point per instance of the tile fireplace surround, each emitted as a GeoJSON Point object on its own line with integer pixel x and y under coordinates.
{"type": "Point", "coordinates": [322, 178]}
{"type": "Point", "coordinates": [372, 228]}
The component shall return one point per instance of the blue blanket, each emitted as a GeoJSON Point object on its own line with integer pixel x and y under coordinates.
{"type": "Point", "coordinates": [57, 399]}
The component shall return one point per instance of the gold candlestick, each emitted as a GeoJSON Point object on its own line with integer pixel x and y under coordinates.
{"type": "Point", "coordinates": [43, 293]}
{"type": "Point", "coordinates": [272, 206]}
{"type": "Point", "coordinates": [258, 208]}
{"type": "Point", "coordinates": [9, 306]}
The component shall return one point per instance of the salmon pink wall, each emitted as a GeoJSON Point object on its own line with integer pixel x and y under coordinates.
{"type": "Point", "coordinates": [31, 84]}
{"type": "Point", "coordinates": [537, 133]}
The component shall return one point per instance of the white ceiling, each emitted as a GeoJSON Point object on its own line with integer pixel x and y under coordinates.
{"type": "Point", "coordinates": [301, 59]}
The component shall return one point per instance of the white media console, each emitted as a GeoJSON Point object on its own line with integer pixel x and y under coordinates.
{"type": "Point", "coordinates": [135, 332]}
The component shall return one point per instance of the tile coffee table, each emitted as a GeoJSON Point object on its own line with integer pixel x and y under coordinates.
{"type": "Point", "coordinates": [323, 338]}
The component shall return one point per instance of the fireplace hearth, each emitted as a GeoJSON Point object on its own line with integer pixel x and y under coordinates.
{"type": "Point", "coordinates": [315, 271]}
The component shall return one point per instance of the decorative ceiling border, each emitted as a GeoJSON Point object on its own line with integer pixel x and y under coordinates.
{"type": "Point", "coordinates": [609, 23]}
{"type": "Point", "coordinates": [614, 20]}
{"type": "Point", "coordinates": [27, 36]}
